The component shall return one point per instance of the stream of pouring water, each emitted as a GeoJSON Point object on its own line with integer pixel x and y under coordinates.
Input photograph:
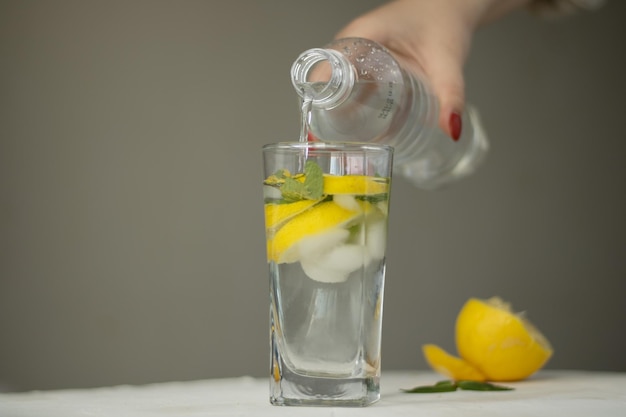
{"type": "Point", "coordinates": [305, 118]}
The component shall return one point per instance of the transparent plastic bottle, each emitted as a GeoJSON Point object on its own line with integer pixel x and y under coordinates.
{"type": "Point", "coordinates": [358, 92]}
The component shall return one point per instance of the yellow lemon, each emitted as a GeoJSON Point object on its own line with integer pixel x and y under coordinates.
{"type": "Point", "coordinates": [502, 345]}
{"type": "Point", "coordinates": [449, 365]}
{"type": "Point", "coordinates": [355, 184]}
{"type": "Point", "coordinates": [275, 214]}
{"type": "Point", "coordinates": [324, 217]}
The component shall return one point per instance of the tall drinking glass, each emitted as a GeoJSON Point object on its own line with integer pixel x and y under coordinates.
{"type": "Point", "coordinates": [326, 210]}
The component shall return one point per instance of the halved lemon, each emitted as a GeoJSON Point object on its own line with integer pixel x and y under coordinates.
{"type": "Point", "coordinates": [502, 345]}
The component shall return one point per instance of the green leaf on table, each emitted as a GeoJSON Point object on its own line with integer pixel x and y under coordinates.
{"type": "Point", "coordinates": [449, 386]}
{"type": "Point", "coordinates": [481, 386]}
{"type": "Point", "coordinates": [441, 386]}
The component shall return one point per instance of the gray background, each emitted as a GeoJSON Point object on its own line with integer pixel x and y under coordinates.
{"type": "Point", "coordinates": [131, 229]}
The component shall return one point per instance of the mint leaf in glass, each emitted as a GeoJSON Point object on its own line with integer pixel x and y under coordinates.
{"type": "Point", "coordinates": [313, 180]}
{"type": "Point", "coordinates": [293, 190]}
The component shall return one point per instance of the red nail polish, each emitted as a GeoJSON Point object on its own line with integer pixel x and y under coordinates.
{"type": "Point", "coordinates": [455, 125]}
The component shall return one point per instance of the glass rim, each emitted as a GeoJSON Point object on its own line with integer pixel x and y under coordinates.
{"type": "Point", "coordinates": [328, 146]}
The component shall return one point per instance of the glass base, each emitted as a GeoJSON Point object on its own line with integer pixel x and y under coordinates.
{"type": "Point", "coordinates": [293, 389]}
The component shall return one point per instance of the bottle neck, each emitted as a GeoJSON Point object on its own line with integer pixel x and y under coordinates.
{"type": "Point", "coordinates": [323, 76]}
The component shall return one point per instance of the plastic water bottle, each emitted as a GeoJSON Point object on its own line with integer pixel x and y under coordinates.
{"type": "Point", "coordinates": [354, 90]}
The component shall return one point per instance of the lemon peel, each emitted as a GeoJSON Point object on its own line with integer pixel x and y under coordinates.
{"type": "Point", "coordinates": [451, 366]}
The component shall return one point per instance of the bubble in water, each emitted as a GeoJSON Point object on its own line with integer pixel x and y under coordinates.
{"type": "Point", "coordinates": [360, 58]}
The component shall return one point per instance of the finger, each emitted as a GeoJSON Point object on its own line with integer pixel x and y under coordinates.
{"type": "Point", "coordinates": [443, 67]}
{"type": "Point", "coordinates": [447, 84]}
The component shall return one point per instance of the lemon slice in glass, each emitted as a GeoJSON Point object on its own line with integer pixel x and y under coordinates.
{"type": "Point", "coordinates": [323, 217]}
{"type": "Point", "coordinates": [355, 185]}
{"type": "Point", "coordinates": [276, 214]}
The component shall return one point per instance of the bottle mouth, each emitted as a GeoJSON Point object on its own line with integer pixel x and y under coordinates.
{"type": "Point", "coordinates": [323, 76]}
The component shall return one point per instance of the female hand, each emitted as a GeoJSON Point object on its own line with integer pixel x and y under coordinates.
{"type": "Point", "coordinates": [432, 37]}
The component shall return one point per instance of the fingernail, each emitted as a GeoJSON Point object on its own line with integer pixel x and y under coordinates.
{"type": "Point", "coordinates": [455, 124]}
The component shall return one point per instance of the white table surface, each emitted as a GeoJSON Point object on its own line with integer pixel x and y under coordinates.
{"type": "Point", "coordinates": [548, 393]}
